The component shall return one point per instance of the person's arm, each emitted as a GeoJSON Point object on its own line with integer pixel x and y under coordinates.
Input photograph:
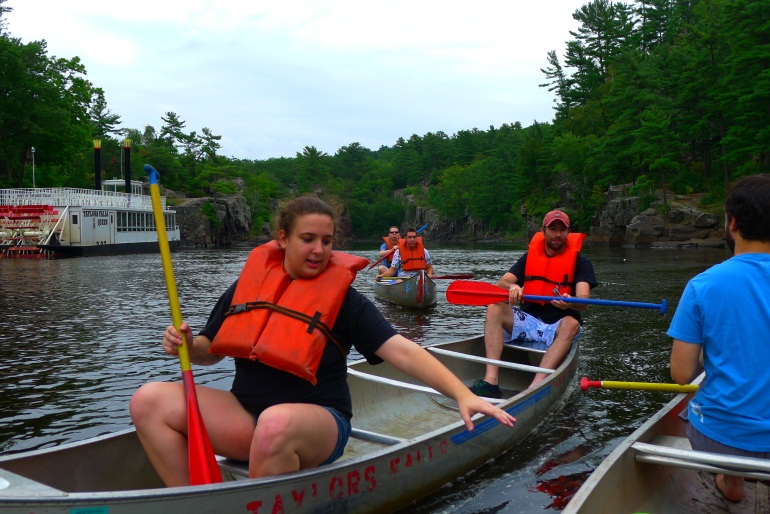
{"type": "Point", "coordinates": [197, 348]}
{"type": "Point", "coordinates": [389, 273]}
{"type": "Point", "coordinates": [686, 361]}
{"type": "Point", "coordinates": [429, 269]}
{"type": "Point", "coordinates": [394, 264]}
{"type": "Point", "coordinates": [412, 359]}
{"type": "Point", "coordinates": [384, 250]}
{"type": "Point", "coordinates": [582, 290]}
{"type": "Point", "coordinates": [509, 282]}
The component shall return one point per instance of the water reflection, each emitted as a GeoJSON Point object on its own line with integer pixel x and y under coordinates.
{"type": "Point", "coordinates": [81, 335]}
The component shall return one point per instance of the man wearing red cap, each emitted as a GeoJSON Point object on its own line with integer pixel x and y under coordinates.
{"type": "Point", "coordinates": [552, 266]}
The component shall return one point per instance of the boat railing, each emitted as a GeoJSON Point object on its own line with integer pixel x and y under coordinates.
{"type": "Point", "coordinates": [403, 385]}
{"type": "Point", "coordinates": [676, 452]}
{"type": "Point", "coordinates": [61, 196]}
{"type": "Point", "coordinates": [56, 227]}
{"type": "Point", "coordinates": [495, 362]}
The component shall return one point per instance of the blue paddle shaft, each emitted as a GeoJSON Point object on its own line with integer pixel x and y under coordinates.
{"type": "Point", "coordinates": [592, 301]}
{"type": "Point", "coordinates": [154, 175]}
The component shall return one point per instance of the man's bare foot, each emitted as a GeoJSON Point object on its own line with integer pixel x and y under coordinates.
{"type": "Point", "coordinates": [730, 487]}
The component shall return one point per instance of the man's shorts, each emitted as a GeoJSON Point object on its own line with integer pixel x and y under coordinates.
{"type": "Point", "coordinates": [529, 331]}
{"type": "Point", "coordinates": [702, 443]}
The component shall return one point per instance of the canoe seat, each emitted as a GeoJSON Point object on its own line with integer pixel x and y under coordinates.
{"type": "Point", "coordinates": [677, 452]}
{"type": "Point", "coordinates": [498, 363]}
{"type": "Point", "coordinates": [240, 468]}
{"type": "Point", "coordinates": [403, 385]}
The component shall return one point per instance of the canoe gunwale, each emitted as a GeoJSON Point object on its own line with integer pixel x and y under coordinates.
{"type": "Point", "coordinates": [403, 292]}
{"type": "Point", "coordinates": [643, 474]}
{"type": "Point", "coordinates": [448, 441]}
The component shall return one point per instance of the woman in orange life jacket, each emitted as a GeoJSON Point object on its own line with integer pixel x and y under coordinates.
{"type": "Point", "coordinates": [409, 258]}
{"type": "Point", "coordinates": [279, 419]}
{"type": "Point", "coordinates": [387, 247]}
{"type": "Point", "coordinates": [552, 266]}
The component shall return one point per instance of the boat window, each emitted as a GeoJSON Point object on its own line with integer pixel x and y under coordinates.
{"type": "Point", "coordinates": [122, 221]}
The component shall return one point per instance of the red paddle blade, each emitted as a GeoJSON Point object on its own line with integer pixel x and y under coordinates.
{"type": "Point", "coordinates": [462, 292]}
{"type": "Point", "coordinates": [203, 465]}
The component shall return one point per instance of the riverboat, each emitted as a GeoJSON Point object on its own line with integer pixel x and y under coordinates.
{"type": "Point", "coordinates": [656, 470]}
{"type": "Point", "coordinates": [417, 291]}
{"type": "Point", "coordinates": [70, 222]}
{"type": "Point", "coordinates": [407, 441]}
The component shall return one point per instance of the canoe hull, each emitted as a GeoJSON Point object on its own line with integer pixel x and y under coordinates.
{"type": "Point", "coordinates": [418, 292]}
{"type": "Point", "coordinates": [112, 474]}
{"type": "Point", "coordinates": [623, 484]}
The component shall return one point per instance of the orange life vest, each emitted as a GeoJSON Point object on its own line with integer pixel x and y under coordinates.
{"type": "Point", "coordinates": [388, 243]}
{"type": "Point", "coordinates": [412, 260]}
{"type": "Point", "coordinates": [281, 322]}
{"type": "Point", "coordinates": [542, 273]}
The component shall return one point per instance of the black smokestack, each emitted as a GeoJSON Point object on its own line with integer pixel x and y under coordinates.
{"type": "Point", "coordinates": [127, 163]}
{"type": "Point", "coordinates": [98, 164]}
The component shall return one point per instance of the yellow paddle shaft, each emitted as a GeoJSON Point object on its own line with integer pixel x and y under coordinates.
{"type": "Point", "coordinates": [168, 272]}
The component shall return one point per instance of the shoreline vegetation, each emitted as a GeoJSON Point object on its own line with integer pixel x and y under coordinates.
{"type": "Point", "coordinates": [651, 105]}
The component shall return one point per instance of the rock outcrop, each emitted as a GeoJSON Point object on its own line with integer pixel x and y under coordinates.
{"type": "Point", "coordinates": [622, 222]}
{"type": "Point", "coordinates": [213, 221]}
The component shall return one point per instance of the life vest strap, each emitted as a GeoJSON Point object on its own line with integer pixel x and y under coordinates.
{"type": "Point", "coordinates": [314, 322]}
{"type": "Point", "coordinates": [564, 282]}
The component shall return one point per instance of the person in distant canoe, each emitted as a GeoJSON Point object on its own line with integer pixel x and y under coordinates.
{"type": "Point", "coordinates": [289, 407]}
{"type": "Point", "coordinates": [552, 266]}
{"type": "Point", "coordinates": [730, 412]}
{"type": "Point", "coordinates": [410, 257]}
{"type": "Point", "coordinates": [387, 248]}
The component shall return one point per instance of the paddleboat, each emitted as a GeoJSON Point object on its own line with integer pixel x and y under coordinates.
{"type": "Point", "coordinates": [417, 291]}
{"type": "Point", "coordinates": [408, 440]}
{"type": "Point", "coordinates": [656, 470]}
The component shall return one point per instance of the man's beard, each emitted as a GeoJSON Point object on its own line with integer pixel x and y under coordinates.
{"type": "Point", "coordinates": [730, 241]}
{"type": "Point", "coordinates": [556, 247]}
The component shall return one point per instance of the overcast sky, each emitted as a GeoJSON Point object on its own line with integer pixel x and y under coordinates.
{"type": "Point", "coordinates": [272, 77]}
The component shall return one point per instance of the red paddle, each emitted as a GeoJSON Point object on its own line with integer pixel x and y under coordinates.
{"type": "Point", "coordinates": [381, 259]}
{"type": "Point", "coordinates": [201, 460]}
{"type": "Point", "coordinates": [480, 293]}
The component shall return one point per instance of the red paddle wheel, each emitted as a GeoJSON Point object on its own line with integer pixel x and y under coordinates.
{"type": "Point", "coordinates": [23, 227]}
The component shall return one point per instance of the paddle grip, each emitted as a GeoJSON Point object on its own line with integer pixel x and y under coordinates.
{"type": "Point", "coordinates": [585, 383]}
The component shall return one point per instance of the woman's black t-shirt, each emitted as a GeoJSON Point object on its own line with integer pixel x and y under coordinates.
{"type": "Point", "coordinates": [257, 386]}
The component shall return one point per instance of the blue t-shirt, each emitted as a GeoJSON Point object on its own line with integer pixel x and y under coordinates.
{"type": "Point", "coordinates": [386, 261]}
{"type": "Point", "coordinates": [726, 309]}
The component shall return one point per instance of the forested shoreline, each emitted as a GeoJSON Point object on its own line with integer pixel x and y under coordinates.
{"type": "Point", "coordinates": [667, 96]}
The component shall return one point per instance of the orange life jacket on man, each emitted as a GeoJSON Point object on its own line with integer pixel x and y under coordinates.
{"type": "Point", "coordinates": [281, 322]}
{"type": "Point", "coordinates": [542, 272]}
{"type": "Point", "coordinates": [388, 243]}
{"type": "Point", "coordinates": [412, 260]}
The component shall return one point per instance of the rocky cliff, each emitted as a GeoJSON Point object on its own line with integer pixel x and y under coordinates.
{"type": "Point", "coordinates": [213, 221]}
{"type": "Point", "coordinates": [623, 222]}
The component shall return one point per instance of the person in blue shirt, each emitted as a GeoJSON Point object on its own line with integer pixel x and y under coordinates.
{"type": "Point", "coordinates": [721, 326]}
{"type": "Point", "coordinates": [387, 248]}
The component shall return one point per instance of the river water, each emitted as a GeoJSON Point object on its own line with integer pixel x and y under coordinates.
{"type": "Point", "coordinates": [80, 335]}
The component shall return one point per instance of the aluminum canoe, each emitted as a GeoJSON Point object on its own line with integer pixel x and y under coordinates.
{"type": "Point", "coordinates": [655, 470]}
{"type": "Point", "coordinates": [408, 441]}
{"type": "Point", "coordinates": [418, 291]}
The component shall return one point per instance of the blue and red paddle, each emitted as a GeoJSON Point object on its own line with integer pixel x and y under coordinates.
{"type": "Point", "coordinates": [463, 292]}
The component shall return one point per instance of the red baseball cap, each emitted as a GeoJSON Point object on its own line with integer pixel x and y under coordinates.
{"type": "Point", "coordinates": [556, 216]}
